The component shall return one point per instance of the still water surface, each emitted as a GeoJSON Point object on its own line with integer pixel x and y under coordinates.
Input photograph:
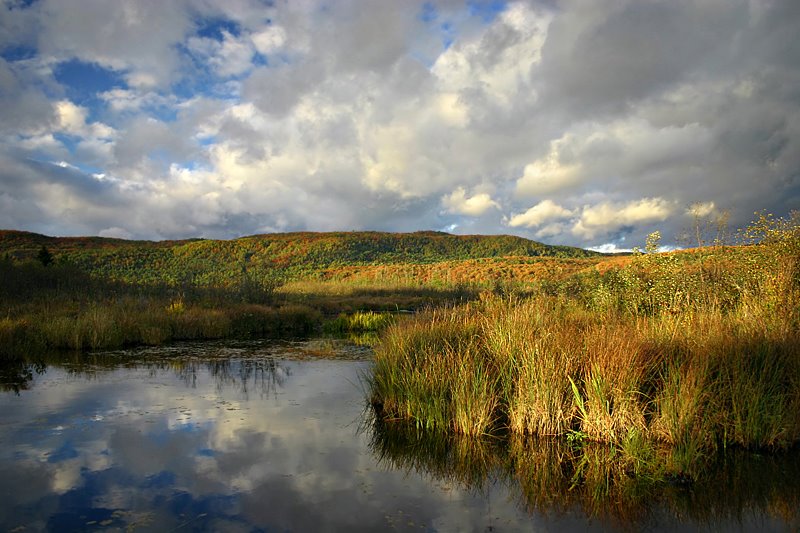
{"type": "Point", "coordinates": [274, 436]}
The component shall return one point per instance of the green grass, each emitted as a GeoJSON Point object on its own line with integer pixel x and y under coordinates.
{"type": "Point", "coordinates": [359, 322]}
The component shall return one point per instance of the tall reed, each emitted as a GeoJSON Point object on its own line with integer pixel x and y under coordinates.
{"type": "Point", "coordinates": [704, 359]}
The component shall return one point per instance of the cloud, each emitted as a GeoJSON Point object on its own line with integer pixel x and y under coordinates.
{"type": "Point", "coordinates": [276, 90]}
{"type": "Point", "coordinates": [610, 248]}
{"type": "Point", "coordinates": [607, 217]}
{"type": "Point", "coordinates": [365, 37]}
{"type": "Point", "coordinates": [139, 37]}
{"type": "Point", "coordinates": [229, 118]}
{"type": "Point", "coordinates": [115, 233]}
{"type": "Point", "coordinates": [549, 174]}
{"type": "Point", "coordinates": [458, 203]}
{"type": "Point", "coordinates": [24, 107]}
{"type": "Point", "coordinates": [600, 59]}
{"type": "Point", "coordinates": [231, 56]}
{"type": "Point", "coordinates": [496, 65]}
{"type": "Point", "coordinates": [544, 211]}
{"type": "Point", "coordinates": [72, 120]}
{"type": "Point", "coordinates": [269, 40]}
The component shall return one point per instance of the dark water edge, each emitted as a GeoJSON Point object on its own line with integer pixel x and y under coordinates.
{"type": "Point", "coordinates": [277, 436]}
{"type": "Point", "coordinates": [739, 490]}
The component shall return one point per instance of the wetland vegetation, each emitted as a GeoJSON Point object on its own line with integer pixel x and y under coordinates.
{"type": "Point", "coordinates": [94, 293]}
{"type": "Point", "coordinates": [667, 358]}
{"type": "Point", "coordinates": [651, 363]}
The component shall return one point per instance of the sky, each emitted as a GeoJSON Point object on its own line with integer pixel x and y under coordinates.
{"type": "Point", "coordinates": [569, 122]}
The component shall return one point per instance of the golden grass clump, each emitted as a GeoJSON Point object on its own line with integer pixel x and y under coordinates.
{"type": "Point", "coordinates": [689, 353]}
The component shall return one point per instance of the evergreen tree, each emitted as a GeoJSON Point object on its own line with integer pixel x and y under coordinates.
{"type": "Point", "coordinates": [44, 256]}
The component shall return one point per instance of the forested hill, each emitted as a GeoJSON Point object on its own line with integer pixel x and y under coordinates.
{"type": "Point", "coordinates": [221, 262]}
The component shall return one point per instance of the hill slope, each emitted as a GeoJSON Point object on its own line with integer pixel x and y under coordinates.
{"type": "Point", "coordinates": [221, 262]}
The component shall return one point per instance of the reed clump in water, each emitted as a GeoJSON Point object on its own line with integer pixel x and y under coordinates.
{"type": "Point", "coordinates": [685, 352]}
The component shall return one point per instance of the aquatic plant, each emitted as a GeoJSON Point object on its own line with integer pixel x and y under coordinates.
{"type": "Point", "coordinates": [670, 350]}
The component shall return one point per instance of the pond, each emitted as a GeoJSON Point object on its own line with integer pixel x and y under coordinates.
{"type": "Point", "coordinates": [277, 436]}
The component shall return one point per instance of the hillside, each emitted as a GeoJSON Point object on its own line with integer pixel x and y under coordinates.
{"type": "Point", "coordinates": [208, 262]}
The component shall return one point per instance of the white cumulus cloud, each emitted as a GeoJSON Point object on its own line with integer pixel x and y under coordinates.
{"type": "Point", "coordinates": [606, 217]}
{"type": "Point", "coordinates": [544, 211]}
{"type": "Point", "coordinates": [459, 203]}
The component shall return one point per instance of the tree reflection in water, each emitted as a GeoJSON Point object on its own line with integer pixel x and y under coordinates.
{"type": "Point", "coordinates": [17, 375]}
{"type": "Point", "coordinates": [261, 374]}
{"type": "Point", "coordinates": [265, 375]}
{"type": "Point", "coordinates": [552, 476]}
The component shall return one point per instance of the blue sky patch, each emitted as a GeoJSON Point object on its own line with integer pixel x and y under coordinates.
{"type": "Point", "coordinates": [208, 141]}
{"type": "Point", "coordinates": [200, 78]}
{"type": "Point", "coordinates": [448, 34]}
{"type": "Point", "coordinates": [216, 28]}
{"type": "Point", "coordinates": [260, 60]}
{"type": "Point", "coordinates": [428, 13]}
{"type": "Point", "coordinates": [487, 10]}
{"type": "Point", "coordinates": [198, 81]}
{"type": "Point", "coordinates": [84, 81]}
{"type": "Point", "coordinates": [70, 142]}
{"type": "Point", "coordinates": [18, 53]}
{"type": "Point", "coordinates": [80, 77]}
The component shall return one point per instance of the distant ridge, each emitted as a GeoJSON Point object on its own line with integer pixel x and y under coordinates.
{"type": "Point", "coordinates": [221, 262]}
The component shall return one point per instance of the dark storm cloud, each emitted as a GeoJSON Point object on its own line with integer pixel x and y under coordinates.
{"type": "Point", "coordinates": [603, 57]}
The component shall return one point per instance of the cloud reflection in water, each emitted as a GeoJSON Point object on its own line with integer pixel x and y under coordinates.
{"type": "Point", "coordinates": [259, 436]}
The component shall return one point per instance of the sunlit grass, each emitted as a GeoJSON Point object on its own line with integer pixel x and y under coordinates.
{"type": "Point", "coordinates": [359, 322]}
{"type": "Point", "coordinates": [685, 352]}
{"type": "Point", "coordinates": [123, 322]}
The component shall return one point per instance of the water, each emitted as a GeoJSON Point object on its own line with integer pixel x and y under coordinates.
{"type": "Point", "coordinates": [277, 437]}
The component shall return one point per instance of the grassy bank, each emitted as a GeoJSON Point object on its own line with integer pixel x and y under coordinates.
{"type": "Point", "coordinates": [669, 358]}
{"type": "Point", "coordinates": [126, 321]}
{"type": "Point", "coordinates": [63, 307]}
{"type": "Point", "coordinates": [94, 293]}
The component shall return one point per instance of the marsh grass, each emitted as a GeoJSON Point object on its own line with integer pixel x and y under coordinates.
{"type": "Point", "coordinates": [130, 321]}
{"type": "Point", "coordinates": [337, 296]}
{"type": "Point", "coordinates": [14, 337]}
{"type": "Point", "coordinates": [684, 353]}
{"type": "Point", "coordinates": [359, 322]}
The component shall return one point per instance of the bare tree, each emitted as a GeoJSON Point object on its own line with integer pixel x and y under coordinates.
{"type": "Point", "coordinates": [709, 225]}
